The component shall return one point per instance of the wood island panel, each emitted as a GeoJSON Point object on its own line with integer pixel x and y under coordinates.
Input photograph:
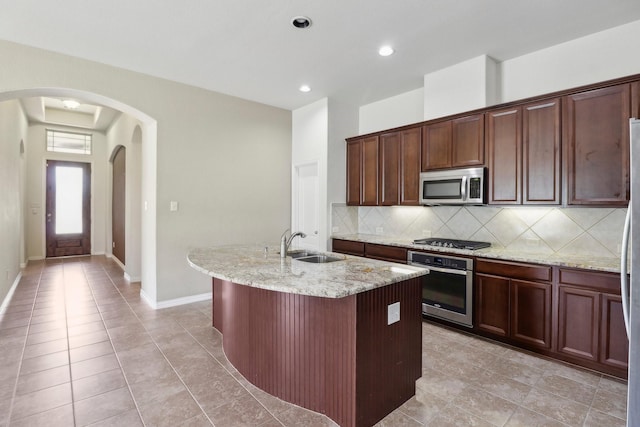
{"type": "Point", "coordinates": [336, 356]}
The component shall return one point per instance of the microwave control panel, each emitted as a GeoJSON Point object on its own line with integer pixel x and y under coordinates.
{"type": "Point", "coordinates": [475, 192]}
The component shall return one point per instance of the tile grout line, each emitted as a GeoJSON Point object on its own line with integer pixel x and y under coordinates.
{"type": "Point", "coordinates": [24, 346]}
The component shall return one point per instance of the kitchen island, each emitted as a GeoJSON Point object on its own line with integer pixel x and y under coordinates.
{"type": "Point", "coordinates": [341, 338]}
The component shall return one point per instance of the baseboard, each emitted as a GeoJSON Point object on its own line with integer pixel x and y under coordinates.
{"type": "Point", "coordinates": [117, 261]}
{"type": "Point", "coordinates": [35, 258]}
{"type": "Point", "coordinates": [174, 302]}
{"type": "Point", "coordinates": [7, 298]}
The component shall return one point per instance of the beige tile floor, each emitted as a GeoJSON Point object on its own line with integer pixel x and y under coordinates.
{"type": "Point", "coordinates": [79, 347]}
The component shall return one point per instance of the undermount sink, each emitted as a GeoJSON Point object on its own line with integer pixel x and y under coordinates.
{"type": "Point", "coordinates": [318, 259]}
{"type": "Point", "coordinates": [300, 253]}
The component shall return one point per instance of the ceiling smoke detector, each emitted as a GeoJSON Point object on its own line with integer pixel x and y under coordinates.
{"type": "Point", "coordinates": [301, 22]}
{"type": "Point", "coordinates": [71, 104]}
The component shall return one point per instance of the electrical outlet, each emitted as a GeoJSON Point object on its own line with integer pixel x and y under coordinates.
{"type": "Point", "coordinates": [425, 233]}
{"type": "Point", "coordinates": [335, 229]}
{"type": "Point", "coordinates": [173, 206]}
{"type": "Point", "coordinates": [393, 313]}
{"type": "Point", "coordinates": [379, 230]}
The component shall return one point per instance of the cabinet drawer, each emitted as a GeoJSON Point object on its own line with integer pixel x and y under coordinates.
{"type": "Point", "coordinates": [386, 253]}
{"type": "Point", "coordinates": [596, 280]}
{"type": "Point", "coordinates": [348, 247]}
{"type": "Point", "coordinates": [514, 270]}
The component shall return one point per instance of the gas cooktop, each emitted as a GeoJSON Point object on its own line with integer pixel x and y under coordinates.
{"type": "Point", "coordinates": [452, 243]}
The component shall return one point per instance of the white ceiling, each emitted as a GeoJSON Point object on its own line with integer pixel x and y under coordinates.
{"type": "Point", "coordinates": [250, 49]}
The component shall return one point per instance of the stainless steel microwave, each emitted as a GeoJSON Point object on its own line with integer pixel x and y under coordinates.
{"type": "Point", "coordinates": [453, 187]}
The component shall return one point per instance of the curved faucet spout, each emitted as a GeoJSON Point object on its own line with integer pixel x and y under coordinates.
{"type": "Point", "coordinates": [286, 243]}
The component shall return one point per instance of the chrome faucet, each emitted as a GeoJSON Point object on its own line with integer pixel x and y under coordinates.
{"type": "Point", "coordinates": [285, 243]}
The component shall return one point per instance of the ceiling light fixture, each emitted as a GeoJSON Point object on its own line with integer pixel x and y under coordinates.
{"type": "Point", "coordinates": [305, 88]}
{"type": "Point", "coordinates": [71, 104]}
{"type": "Point", "coordinates": [385, 51]}
{"type": "Point", "coordinates": [301, 22]}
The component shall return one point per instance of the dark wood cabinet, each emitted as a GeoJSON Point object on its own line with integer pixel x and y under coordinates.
{"type": "Point", "coordinates": [362, 171]}
{"type": "Point", "coordinates": [386, 253]}
{"type": "Point", "coordinates": [390, 168]}
{"type": "Point", "coordinates": [354, 172]}
{"type": "Point", "coordinates": [400, 167]}
{"type": "Point", "coordinates": [523, 150]}
{"type": "Point", "coordinates": [590, 319]}
{"type": "Point", "coordinates": [453, 143]}
{"type": "Point", "coordinates": [541, 132]}
{"type": "Point", "coordinates": [504, 142]}
{"type": "Point", "coordinates": [596, 141]}
{"type": "Point", "coordinates": [348, 247]}
{"type": "Point", "coordinates": [410, 150]}
{"type": "Point", "coordinates": [511, 302]}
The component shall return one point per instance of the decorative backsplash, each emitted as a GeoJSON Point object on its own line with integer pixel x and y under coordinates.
{"type": "Point", "coordinates": [540, 230]}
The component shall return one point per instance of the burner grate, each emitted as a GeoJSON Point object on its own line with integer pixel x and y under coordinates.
{"type": "Point", "coordinates": [452, 243]}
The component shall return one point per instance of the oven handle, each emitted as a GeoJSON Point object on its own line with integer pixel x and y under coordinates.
{"type": "Point", "coordinates": [443, 270]}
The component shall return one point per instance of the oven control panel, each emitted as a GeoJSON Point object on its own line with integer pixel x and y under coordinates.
{"type": "Point", "coordinates": [437, 260]}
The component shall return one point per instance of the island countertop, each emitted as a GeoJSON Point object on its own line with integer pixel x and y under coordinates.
{"type": "Point", "coordinates": [251, 266]}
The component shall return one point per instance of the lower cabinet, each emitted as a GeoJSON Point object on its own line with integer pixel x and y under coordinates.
{"type": "Point", "coordinates": [513, 301]}
{"type": "Point", "coordinates": [348, 247]}
{"type": "Point", "coordinates": [590, 319]}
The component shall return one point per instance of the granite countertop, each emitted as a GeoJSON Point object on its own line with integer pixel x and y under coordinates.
{"type": "Point", "coordinates": [607, 264]}
{"type": "Point", "coordinates": [251, 266]}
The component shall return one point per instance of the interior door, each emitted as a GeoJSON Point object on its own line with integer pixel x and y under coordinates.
{"type": "Point", "coordinates": [118, 198]}
{"type": "Point", "coordinates": [307, 205]}
{"type": "Point", "coordinates": [68, 202]}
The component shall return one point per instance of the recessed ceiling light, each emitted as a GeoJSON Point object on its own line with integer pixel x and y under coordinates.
{"type": "Point", "coordinates": [385, 51]}
{"type": "Point", "coordinates": [71, 104]}
{"type": "Point", "coordinates": [305, 88]}
{"type": "Point", "coordinates": [301, 22]}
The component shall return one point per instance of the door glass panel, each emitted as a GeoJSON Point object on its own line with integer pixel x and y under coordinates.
{"type": "Point", "coordinates": [68, 200]}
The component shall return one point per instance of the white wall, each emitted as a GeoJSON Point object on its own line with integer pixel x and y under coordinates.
{"type": "Point", "coordinates": [36, 191]}
{"type": "Point", "coordinates": [13, 130]}
{"type": "Point", "coordinates": [126, 132]}
{"type": "Point", "coordinates": [225, 160]}
{"type": "Point", "coordinates": [465, 86]}
{"type": "Point", "coordinates": [396, 111]}
{"type": "Point", "coordinates": [601, 56]}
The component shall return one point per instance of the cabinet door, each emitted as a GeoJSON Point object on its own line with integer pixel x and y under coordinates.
{"type": "Point", "coordinates": [468, 141]}
{"type": "Point", "coordinates": [541, 152]}
{"type": "Point", "coordinates": [596, 141]}
{"type": "Point", "coordinates": [614, 345]}
{"type": "Point", "coordinates": [370, 171]}
{"type": "Point", "coordinates": [410, 149]}
{"type": "Point", "coordinates": [354, 171]}
{"type": "Point", "coordinates": [390, 168]}
{"type": "Point", "coordinates": [436, 146]}
{"type": "Point", "coordinates": [492, 304]}
{"type": "Point", "coordinates": [505, 156]}
{"type": "Point", "coordinates": [578, 314]}
{"type": "Point", "coordinates": [531, 313]}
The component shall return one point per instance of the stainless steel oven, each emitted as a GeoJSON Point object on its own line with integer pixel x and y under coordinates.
{"type": "Point", "coordinates": [447, 291]}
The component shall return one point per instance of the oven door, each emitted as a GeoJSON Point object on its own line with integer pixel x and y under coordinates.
{"type": "Point", "coordinates": [447, 294]}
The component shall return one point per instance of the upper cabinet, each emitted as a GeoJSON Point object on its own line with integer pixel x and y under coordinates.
{"type": "Point", "coordinates": [596, 141]}
{"type": "Point", "coordinates": [568, 148]}
{"type": "Point", "coordinates": [384, 170]}
{"type": "Point", "coordinates": [362, 171]}
{"type": "Point", "coordinates": [453, 143]}
{"type": "Point", "coordinates": [523, 153]}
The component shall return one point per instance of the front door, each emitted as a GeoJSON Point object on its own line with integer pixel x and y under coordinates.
{"type": "Point", "coordinates": [68, 222]}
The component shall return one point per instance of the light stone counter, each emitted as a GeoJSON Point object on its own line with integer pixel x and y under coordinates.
{"type": "Point", "coordinates": [249, 265]}
{"type": "Point", "coordinates": [607, 264]}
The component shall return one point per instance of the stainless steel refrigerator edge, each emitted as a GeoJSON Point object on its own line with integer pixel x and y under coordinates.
{"type": "Point", "coordinates": [633, 321]}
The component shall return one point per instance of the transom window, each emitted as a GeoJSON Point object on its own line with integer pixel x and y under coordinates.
{"type": "Point", "coordinates": [68, 142]}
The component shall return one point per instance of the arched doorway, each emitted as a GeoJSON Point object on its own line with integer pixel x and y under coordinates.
{"type": "Point", "coordinates": [147, 190]}
{"type": "Point", "coordinates": [118, 203]}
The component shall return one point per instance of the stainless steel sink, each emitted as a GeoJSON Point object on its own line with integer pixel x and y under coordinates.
{"type": "Point", "coordinates": [300, 253]}
{"type": "Point", "coordinates": [318, 259]}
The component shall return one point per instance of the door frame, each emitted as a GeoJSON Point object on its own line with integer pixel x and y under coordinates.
{"type": "Point", "coordinates": [90, 164]}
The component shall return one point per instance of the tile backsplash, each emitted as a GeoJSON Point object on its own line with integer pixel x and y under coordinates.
{"type": "Point", "coordinates": [541, 230]}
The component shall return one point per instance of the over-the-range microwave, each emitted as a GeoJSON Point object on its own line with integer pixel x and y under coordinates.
{"type": "Point", "coordinates": [453, 187]}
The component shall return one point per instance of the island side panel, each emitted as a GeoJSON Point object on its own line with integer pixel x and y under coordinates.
{"type": "Point", "coordinates": [295, 347]}
{"type": "Point", "coordinates": [389, 357]}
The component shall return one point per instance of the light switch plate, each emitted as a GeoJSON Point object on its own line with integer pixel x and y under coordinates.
{"type": "Point", "coordinates": [393, 313]}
